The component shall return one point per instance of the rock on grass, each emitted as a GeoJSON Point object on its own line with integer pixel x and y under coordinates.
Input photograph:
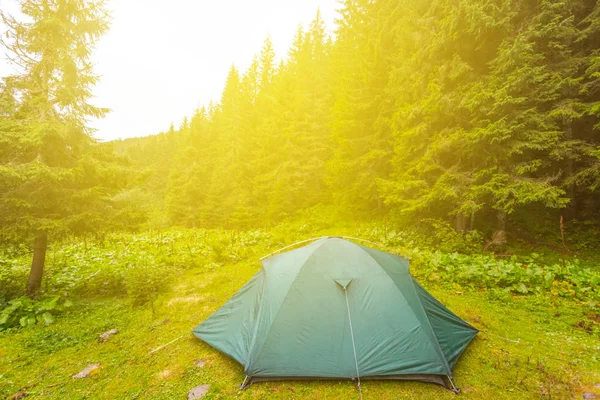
{"type": "Point", "coordinates": [87, 371]}
{"type": "Point", "coordinates": [198, 392]}
{"type": "Point", "coordinates": [104, 337]}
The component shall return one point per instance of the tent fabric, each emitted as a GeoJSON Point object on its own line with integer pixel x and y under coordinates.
{"type": "Point", "coordinates": [291, 319]}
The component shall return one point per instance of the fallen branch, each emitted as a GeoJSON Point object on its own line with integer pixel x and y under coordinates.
{"type": "Point", "coordinates": [56, 384]}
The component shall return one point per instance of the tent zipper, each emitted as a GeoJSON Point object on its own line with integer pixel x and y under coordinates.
{"type": "Point", "coordinates": [353, 345]}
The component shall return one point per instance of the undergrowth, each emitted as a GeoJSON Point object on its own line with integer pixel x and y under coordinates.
{"type": "Point", "coordinates": [139, 267]}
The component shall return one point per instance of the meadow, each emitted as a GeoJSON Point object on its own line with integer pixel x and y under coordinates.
{"type": "Point", "coordinates": [462, 135]}
{"type": "Point", "coordinates": [539, 321]}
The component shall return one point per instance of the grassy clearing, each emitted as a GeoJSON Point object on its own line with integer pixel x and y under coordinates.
{"type": "Point", "coordinates": [552, 359]}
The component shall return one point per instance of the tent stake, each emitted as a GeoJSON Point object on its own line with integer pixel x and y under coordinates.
{"type": "Point", "coordinates": [454, 388]}
{"type": "Point", "coordinates": [243, 385]}
{"type": "Point", "coordinates": [502, 337]}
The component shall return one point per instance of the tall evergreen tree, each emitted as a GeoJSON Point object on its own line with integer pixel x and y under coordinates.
{"type": "Point", "coordinates": [54, 176]}
{"type": "Point", "coordinates": [421, 108]}
{"type": "Point", "coordinates": [361, 62]}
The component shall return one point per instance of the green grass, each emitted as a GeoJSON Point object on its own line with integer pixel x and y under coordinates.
{"type": "Point", "coordinates": [552, 359]}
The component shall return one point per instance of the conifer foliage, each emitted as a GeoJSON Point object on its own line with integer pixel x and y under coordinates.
{"type": "Point", "coordinates": [54, 176]}
{"type": "Point", "coordinates": [469, 111]}
{"type": "Point", "coordinates": [420, 109]}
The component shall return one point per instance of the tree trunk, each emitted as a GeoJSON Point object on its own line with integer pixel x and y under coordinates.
{"type": "Point", "coordinates": [499, 236]}
{"type": "Point", "coordinates": [571, 210]}
{"type": "Point", "coordinates": [501, 218]}
{"type": "Point", "coordinates": [37, 266]}
{"type": "Point", "coordinates": [461, 222]}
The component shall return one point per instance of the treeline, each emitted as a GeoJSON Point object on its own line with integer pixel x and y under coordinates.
{"type": "Point", "coordinates": [478, 112]}
{"type": "Point", "coordinates": [470, 111]}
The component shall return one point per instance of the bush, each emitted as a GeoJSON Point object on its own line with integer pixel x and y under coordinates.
{"type": "Point", "coordinates": [13, 275]}
{"type": "Point", "coordinates": [24, 311]}
{"type": "Point", "coordinates": [145, 283]}
{"type": "Point", "coordinates": [141, 266]}
{"type": "Point", "coordinates": [220, 245]}
{"type": "Point", "coordinates": [430, 234]}
{"type": "Point", "coordinates": [520, 276]}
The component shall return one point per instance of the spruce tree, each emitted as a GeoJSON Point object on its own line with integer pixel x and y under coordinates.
{"type": "Point", "coordinates": [55, 177]}
{"type": "Point", "coordinates": [361, 60]}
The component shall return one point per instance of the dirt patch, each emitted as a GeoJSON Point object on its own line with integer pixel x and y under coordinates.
{"type": "Point", "coordinates": [164, 374]}
{"type": "Point", "coordinates": [199, 363]}
{"type": "Point", "coordinates": [186, 299]}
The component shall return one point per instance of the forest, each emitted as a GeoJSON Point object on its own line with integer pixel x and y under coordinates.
{"type": "Point", "coordinates": [480, 115]}
{"type": "Point", "coordinates": [462, 134]}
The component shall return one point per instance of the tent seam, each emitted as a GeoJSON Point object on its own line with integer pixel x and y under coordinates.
{"type": "Point", "coordinates": [437, 302]}
{"type": "Point", "coordinates": [412, 281]}
{"type": "Point", "coordinates": [254, 331]}
{"type": "Point", "coordinates": [435, 341]}
{"type": "Point", "coordinates": [464, 347]}
{"type": "Point", "coordinates": [251, 350]}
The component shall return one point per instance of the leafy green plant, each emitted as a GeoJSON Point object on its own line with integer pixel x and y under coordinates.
{"type": "Point", "coordinates": [145, 283]}
{"type": "Point", "coordinates": [431, 234]}
{"type": "Point", "coordinates": [513, 275]}
{"type": "Point", "coordinates": [24, 311]}
{"type": "Point", "coordinates": [141, 266]}
{"type": "Point", "coordinates": [13, 272]}
{"type": "Point", "coordinates": [220, 246]}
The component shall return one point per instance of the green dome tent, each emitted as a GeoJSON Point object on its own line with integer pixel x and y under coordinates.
{"type": "Point", "coordinates": [335, 309]}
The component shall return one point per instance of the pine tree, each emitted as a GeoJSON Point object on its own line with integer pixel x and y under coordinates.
{"type": "Point", "coordinates": [228, 185]}
{"type": "Point", "coordinates": [586, 174]}
{"type": "Point", "coordinates": [267, 64]}
{"type": "Point", "coordinates": [55, 177]}
{"type": "Point", "coordinates": [443, 109]}
{"type": "Point", "coordinates": [535, 90]}
{"type": "Point", "coordinates": [266, 154]}
{"type": "Point", "coordinates": [363, 146]}
{"type": "Point", "coordinates": [445, 51]}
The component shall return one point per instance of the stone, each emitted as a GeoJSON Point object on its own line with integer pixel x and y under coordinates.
{"type": "Point", "coordinates": [199, 363]}
{"type": "Point", "coordinates": [198, 392]}
{"type": "Point", "coordinates": [104, 337]}
{"type": "Point", "coordinates": [87, 371]}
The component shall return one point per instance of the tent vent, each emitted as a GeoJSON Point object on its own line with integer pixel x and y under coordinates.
{"type": "Point", "coordinates": [343, 282]}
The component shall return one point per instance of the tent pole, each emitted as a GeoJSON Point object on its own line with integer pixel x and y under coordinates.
{"type": "Point", "coordinates": [454, 388]}
{"type": "Point", "coordinates": [293, 244]}
{"type": "Point", "coordinates": [373, 243]}
{"type": "Point", "coordinates": [323, 237]}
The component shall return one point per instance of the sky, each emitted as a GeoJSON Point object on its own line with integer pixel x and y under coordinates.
{"type": "Point", "coordinates": [161, 60]}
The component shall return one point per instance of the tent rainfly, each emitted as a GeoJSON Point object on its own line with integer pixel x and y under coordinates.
{"type": "Point", "coordinates": [335, 309]}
